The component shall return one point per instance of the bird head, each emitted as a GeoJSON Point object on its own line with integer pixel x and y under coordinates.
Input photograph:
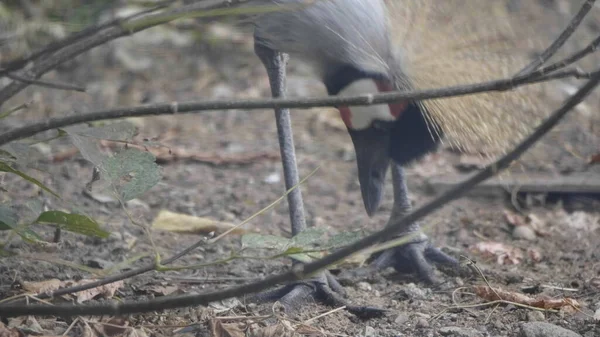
{"type": "Point", "coordinates": [374, 128]}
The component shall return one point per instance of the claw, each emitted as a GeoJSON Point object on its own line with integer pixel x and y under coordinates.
{"type": "Point", "coordinates": [415, 257]}
{"type": "Point", "coordinates": [325, 289]}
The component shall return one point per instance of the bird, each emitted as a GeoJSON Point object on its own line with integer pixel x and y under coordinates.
{"type": "Point", "coordinates": [373, 46]}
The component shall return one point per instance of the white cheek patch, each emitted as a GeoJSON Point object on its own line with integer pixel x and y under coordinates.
{"type": "Point", "coordinates": [362, 117]}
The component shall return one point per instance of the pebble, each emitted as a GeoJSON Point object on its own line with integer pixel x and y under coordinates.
{"type": "Point", "coordinates": [524, 232]}
{"type": "Point", "coordinates": [422, 323]}
{"type": "Point", "coordinates": [543, 329]}
{"type": "Point", "coordinates": [369, 331]}
{"type": "Point", "coordinates": [412, 292]}
{"type": "Point", "coordinates": [401, 319]}
{"type": "Point", "coordinates": [535, 316]}
{"type": "Point", "coordinates": [364, 286]}
{"type": "Point", "coordinates": [455, 331]}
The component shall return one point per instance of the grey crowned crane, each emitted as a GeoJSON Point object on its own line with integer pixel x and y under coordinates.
{"type": "Point", "coordinates": [356, 47]}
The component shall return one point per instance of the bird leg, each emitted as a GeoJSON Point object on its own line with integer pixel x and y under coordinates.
{"type": "Point", "coordinates": [418, 255]}
{"type": "Point", "coordinates": [323, 288]}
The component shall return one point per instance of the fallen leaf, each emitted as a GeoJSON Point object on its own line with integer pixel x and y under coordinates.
{"type": "Point", "coordinates": [505, 255]}
{"type": "Point", "coordinates": [163, 290]}
{"type": "Point", "coordinates": [41, 286]}
{"type": "Point", "coordinates": [106, 291]}
{"type": "Point", "coordinates": [115, 326]}
{"type": "Point", "coordinates": [514, 219]}
{"type": "Point", "coordinates": [274, 330]}
{"type": "Point", "coordinates": [534, 255]}
{"type": "Point", "coordinates": [183, 223]}
{"type": "Point", "coordinates": [224, 305]}
{"type": "Point", "coordinates": [542, 302]}
{"type": "Point", "coordinates": [8, 332]}
{"type": "Point", "coordinates": [225, 330]}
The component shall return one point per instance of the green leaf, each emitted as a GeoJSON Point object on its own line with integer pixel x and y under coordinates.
{"type": "Point", "coordinates": [296, 253]}
{"type": "Point", "coordinates": [6, 154]}
{"type": "Point", "coordinates": [132, 172]}
{"type": "Point", "coordinates": [4, 167]}
{"type": "Point", "coordinates": [259, 241]}
{"type": "Point", "coordinates": [8, 218]}
{"type": "Point", "coordinates": [76, 223]}
{"type": "Point", "coordinates": [344, 239]}
{"type": "Point", "coordinates": [8, 221]}
{"type": "Point", "coordinates": [4, 114]}
{"type": "Point", "coordinates": [309, 237]}
{"type": "Point", "coordinates": [112, 131]}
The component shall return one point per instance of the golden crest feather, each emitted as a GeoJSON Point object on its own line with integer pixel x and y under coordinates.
{"type": "Point", "coordinates": [459, 42]}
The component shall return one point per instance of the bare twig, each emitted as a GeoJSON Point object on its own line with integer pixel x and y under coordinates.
{"type": "Point", "coordinates": [21, 63]}
{"type": "Point", "coordinates": [79, 43]}
{"type": "Point", "coordinates": [159, 264]}
{"type": "Point", "coordinates": [301, 271]}
{"type": "Point", "coordinates": [298, 103]}
{"type": "Point", "coordinates": [560, 41]}
{"type": "Point", "coordinates": [46, 83]}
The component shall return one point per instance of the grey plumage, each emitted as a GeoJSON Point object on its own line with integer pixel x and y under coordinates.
{"type": "Point", "coordinates": [328, 33]}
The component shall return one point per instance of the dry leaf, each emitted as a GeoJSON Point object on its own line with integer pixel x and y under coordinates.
{"type": "Point", "coordinates": [116, 326]}
{"type": "Point", "coordinates": [41, 286]}
{"type": "Point", "coordinates": [106, 291]}
{"type": "Point", "coordinates": [183, 223]}
{"type": "Point", "coordinates": [137, 333]}
{"type": "Point", "coordinates": [8, 332]}
{"type": "Point", "coordinates": [542, 302]}
{"type": "Point", "coordinates": [225, 330]}
{"type": "Point", "coordinates": [534, 255]}
{"type": "Point", "coordinates": [505, 255]}
{"type": "Point", "coordinates": [514, 219]}
{"type": "Point", "coordinates": [162, 290]}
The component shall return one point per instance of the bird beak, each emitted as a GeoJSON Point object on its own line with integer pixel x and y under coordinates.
{"type": "Point", "coordinates": [372, 157]}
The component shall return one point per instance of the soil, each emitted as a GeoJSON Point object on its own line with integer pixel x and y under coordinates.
{"type": "Point", "coordinates": [560, 260]}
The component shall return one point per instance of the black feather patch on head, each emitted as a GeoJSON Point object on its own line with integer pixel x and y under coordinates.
{"type": "Point", "coordinates": [412, 136]}
{"type": "Point", "coordinates": [337, 78]}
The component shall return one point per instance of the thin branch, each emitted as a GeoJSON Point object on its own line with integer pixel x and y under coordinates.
{"type": "Point", "coordinates": [21, 63]}
{"type": "Point", "coordinates": [155, 266]}
{"type": "Point", "coordinates": [592, 47]}
{"type": "Point", "coordinates": [298, 103]}
{"type": "Point", "coordinates": [121, 276]}
{"type": "Point", "coordinates": [46, 83]}
{"type": "Point", "coordinates": [301, 271]}
{"type": "Point", "coordinates": [560, 41]}
{"type": "Point", "coordinates": [82, 43]}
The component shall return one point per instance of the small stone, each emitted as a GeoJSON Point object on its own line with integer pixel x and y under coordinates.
{"type": "Point", "coordinates": [401, 319]}
{"type": "Point", "coordinates": [535, 316]}
{"type": "Point", "coordinates": [524, 233]}
{"type": "Point", "coordinates": [455, 331]}
{"type": "Point", "coordinates": [369, 331]}
{"type": "Point", "coordinates": [412, 292]}
{"type": "Point", "coordinates": [364, 286]}
{"type": "Point", "coordinates": [422, 323]}
{"type": "Point", "coordinates": [543, 329]}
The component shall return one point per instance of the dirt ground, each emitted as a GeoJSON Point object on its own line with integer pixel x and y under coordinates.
{"type": "Point", "coordinates": [558, 254]}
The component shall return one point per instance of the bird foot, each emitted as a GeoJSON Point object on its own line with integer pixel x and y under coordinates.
{"type": "Point", "coordinates": [324, 289]}
{"type": "Point", "coordinates": [417, 257]}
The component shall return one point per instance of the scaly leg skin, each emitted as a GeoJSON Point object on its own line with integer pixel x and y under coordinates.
{"type": "Point", "coordinates": [323, 288]}
{"type": "Point", "coordinates": [417, 256]}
